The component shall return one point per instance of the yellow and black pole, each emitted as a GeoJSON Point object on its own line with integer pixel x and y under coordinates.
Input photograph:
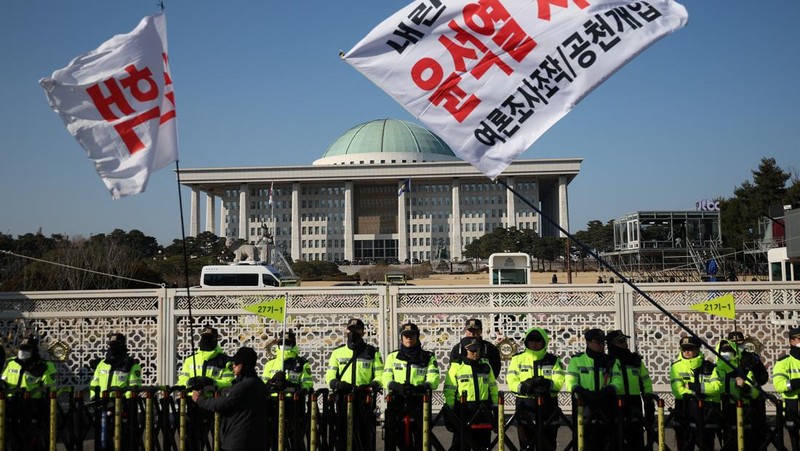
{"type": "Point", "coordinates": [53, 420]}
{"type": "Point", "coordinates": [117, 420]}
{"type": "Point", "coordinates": [312, 434]}
{"type": "Point", "coordinates": [182, 422]}
{"type": "Point", "coordinates": [217, 427]}
{"type": "Point", "coordinates": [349, 446]}
{"type": "Point", "coordinates": [501, 422]}
{"type": "Point", "coordinates": [426, 421]}
{"type": "Point", "coordinates": [579, 423]}
{"type": "Point", "coordinates": [281, 419]}
{"type": "Point", "coordinates": [148, 420]}
{"type": "Point", "coordinates": [740, 425]}
{"type": "Point", "coordinates": [662, 446]}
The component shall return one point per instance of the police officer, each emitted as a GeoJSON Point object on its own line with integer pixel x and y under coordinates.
{"type": "Point", "coordinates": [692, 375]}
{"type": "Point", "coordinates": [752, 362]}
{"type": "Point", "coordinates": [291, 372]}
{"type": "Point", "coordinates": [532, 374]}
{"type": "Point", "coordinates": [408, 373]}
{"type": "Point", "coordinates": [29, 372]}
{"type": "Point", "coordinates": [589, 377]}
{"type": "Point", "coordinates": [352, 365]}
{"type": "Point", "coordinates": [117, 370]}
{"type": "Point", "coordinates": [288, 369]}
{"type": "Point", "coordinates": [735, 387]}
{"type": "Point", "coordinates": [472, 375]}
{"type": "Point", "coordinates": [633, 386]}
{"type": "Point", "coordinates": [474, 328]}
{"type": "Point", "coordinates": [786, 378]}
{"type": "Point", "coordinates": [209, 366]}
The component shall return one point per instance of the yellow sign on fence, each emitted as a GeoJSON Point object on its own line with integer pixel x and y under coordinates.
{"type": "Point", "coordinates": [723, 306]}
{"type": "Point", "coordinates": [273, 309]}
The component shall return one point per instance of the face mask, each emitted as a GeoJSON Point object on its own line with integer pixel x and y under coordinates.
{"type": "Point", "coordinates": [727, 355]}
{"type": "Point", "coordinates": [24, 355]}
{"type": "Point", "coordinates": [208, 344]}
{"type": "Point", "coordinates": [354, 339]}
{"type": "Point", "coordinates": [796, 345]}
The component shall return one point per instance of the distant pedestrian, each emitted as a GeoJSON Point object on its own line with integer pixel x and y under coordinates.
{"type": "Point", "coordinates": [555, 278]}
{"type": "Point", "coordinates": [243, 406]}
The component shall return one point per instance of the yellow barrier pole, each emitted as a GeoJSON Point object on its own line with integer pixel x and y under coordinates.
{"type": "Point", "coordinates": [281, 419]}
{"type": "Point", "coordinates": [312, 438]}
{"type": "Point", "coordinates": [349, 446]}
{"type": "Point", "coordinates": [2, 421]}
{"type": "Point", "coordinates": [740, 425]}
{"type": "Point", "coordinates": [581, 444]}
{"type": "Point", "coordinates": [426, 422]}
{"type": "Point", "coordinates": [501, 423]}
{"type": "Point", "coordinates": [217, 427]}
{"type": "Point", "coordinates": [148, 420]}
{"type": "Point", "coordinates": [182, 422]}
{"type": "Point", "coordinates": [662, 438]}
{"type": "Point", "coordinates": [117, 421]}
{"type": "Point", "coordinates": [53, 420]}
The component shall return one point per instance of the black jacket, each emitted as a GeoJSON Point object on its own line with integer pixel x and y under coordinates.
{"type": "Point", "coordinates": [243, 407]}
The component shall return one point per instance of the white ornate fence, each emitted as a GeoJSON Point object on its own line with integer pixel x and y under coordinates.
{"type": "Point", "coordinates": [73, 326]}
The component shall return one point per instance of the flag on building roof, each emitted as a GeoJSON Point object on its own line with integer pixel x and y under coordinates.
{"type": "Point", "coordinates": [404, 188]}
{"type": "Point", "coordinates": [491, 76]}
{"type": "Point", "coordinates": [118, 102]}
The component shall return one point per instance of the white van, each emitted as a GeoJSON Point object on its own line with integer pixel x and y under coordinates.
{"type": "Point", "coordinates": [241, 276]}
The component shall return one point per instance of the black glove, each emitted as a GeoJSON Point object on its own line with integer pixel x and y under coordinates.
{"type": "Point", "coordinates": [526, 387]}
{"type": "Point", "coordinates": [794, 383]}
{"type": "Point", "coordinates": [609, 391]}
{"type": "Point", "coordinates": [199, 383]}
{"type": "Point", "coordinates": [695, 387]}
{"type": "Point", "coordinates": [344, 387]}
{"type": "Point", "coordinates": [396, 388]}
{"type": "Point", "coordinates": [375, 386]}
{"type": "Point", "coordinates": [422, 388]}
{"type": "Point", "coordinates": [278, 381]}
{"type": "Point", "coordinates": [582, 392]}
{"type": "Point", "coordinates": [650, 397]}
{"type": "Point", "coordinates": [540, 385]}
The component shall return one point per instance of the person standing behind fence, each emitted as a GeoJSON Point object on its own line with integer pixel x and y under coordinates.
{"type": "Point", "coordinates": [752, 362]}
{"type": "Point", "coordinates": [589, 377]}
{"type": "Point", "coordinates": [409, 373]}
{"type": "Point", "coordinates": [536, 373]}
{"type": "Point", "coordinates": [29, 371]}
{"type": "Point", "coordinates": [117, 370]}
{"type": "Point", "coordinates": [735, 387]}
{"type": "Point", "coordinates": [633, 385]}
{"type": "Point", "coordinates": [352, 365]}
{"type": "Point", "coordinates": [209, 366]}
{"type": "Point", "coordinates": [243, 406]}
{"type": "Point", "coordinates": [692, 376]}
{"type": "Point", "coordinates": [786, 379]}
{"type": "Point", "coordinates": [472, 375]}
{"type": "Point", "coordinates": [474, 328]}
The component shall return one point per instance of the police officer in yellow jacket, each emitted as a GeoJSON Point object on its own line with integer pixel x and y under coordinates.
{"type": "Point", "coordinates": [471, 375]}
{"type": "Point", "coordinates": [589, 377]}
{"type": "Point", "coordinates": [692, 376]}
{"type": "Point", "coordinates": [209, 366]}
{"type": "Point", "coordinates": [288, 369]}
{"type": "Point", "coordinates": [409, 373]}
{"type": "Point", "coordinates": [29, 371]}
{"type": "Point", "coordinates": [351, 366]}
{"type": "Point", "coordinates": [117, 370]}
{"type": "Point", "coordinates": [736, 387]}
{"type": "Point", "coordinates": [536, 374]}
{"type": "Point", "coordinates": [634, 386]}
{"type": "Point", "coordinates": [786, 379]}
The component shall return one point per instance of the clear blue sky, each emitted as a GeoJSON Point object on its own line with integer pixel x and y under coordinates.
{"type": "Point", "coordinates": [260, 83]}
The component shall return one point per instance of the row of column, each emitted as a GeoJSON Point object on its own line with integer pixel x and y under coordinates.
{"type": "Point", "coordinates": [558, 199]}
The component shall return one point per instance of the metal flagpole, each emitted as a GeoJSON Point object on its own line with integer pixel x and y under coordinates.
{"type": "Point", "coordinates": [272, 232]}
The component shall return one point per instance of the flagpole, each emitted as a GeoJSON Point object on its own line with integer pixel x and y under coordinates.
{"type": "Point", "coordinates": [283, 335]}
{"type": "Point", "coordinates": [273, 232]}
{"type": "Point", "coordinates": [185, 265]}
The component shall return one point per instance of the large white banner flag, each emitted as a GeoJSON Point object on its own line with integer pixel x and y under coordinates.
{"type": "Point", "coordinates": [491, 76]}
{"type": "Point", "coordinates": [118, 102]}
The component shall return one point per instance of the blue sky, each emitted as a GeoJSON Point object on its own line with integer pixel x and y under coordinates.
{"type": "Point", "coordinates": [260, 83]}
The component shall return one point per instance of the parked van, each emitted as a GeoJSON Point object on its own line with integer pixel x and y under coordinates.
{"type": "Point", "coordinates": [240, 276]}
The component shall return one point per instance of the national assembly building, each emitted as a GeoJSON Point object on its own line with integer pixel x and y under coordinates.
{"type": "Point", "coordinates": [352, 204]}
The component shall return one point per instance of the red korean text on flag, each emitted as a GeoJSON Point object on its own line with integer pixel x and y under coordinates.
{"type": "Point", "coordinates": [118, 102]}
{"type": "Point", "coordinates": [491, 76]}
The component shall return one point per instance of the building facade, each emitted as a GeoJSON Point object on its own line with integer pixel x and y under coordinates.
{"type": "Point", "coordinates": [351, 203]}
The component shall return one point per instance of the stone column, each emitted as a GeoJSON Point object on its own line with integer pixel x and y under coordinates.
{"type": "Point", "coordinates": [402, 225]}
{"type": "Point", "coordinates": [456, 235]}
{"type": "Point", "coordinates": [511, 205]}
{"type": "Point", "coordinates": [349, 225]}
{"type": "Point", "coordinates": [210, 204]}
{"type": "Point", "coordinates": [244, 197]}
{"type": "Point", "coordinates": [563, 205]}
{"type": "Point", "coordinates": [296, 250]}
{"type": "Point", "coordinates": [194, 218]}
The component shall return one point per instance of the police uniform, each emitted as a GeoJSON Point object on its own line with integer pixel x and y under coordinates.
{"type": "Point", "coordinates": [117, 370]}
{"type": "Point", "coordinates": [532, 375]}
{"type": "Point", "coordinates": [589, 376]}
{"type": "Point", "coordinates": [208, 365]}
{"type": "Point", "coordinates": [731, 392]}
{"type": "Point", "coordinates": [633, 384]}
{"type": "Point", "coordinates": [408, 373]}
{"type": "Point", "coordinates": [474, 378]}
{"type": "Point", "coordinates": [28, 371]}
{"type": "Point", "coordinates": [695, 377]}
{"type": "Point", "coordinates": [352, 365]}
{"type": "Point", "coordinates": [786, 379]}
{"type": "Point", "coordinates": [489, 352]}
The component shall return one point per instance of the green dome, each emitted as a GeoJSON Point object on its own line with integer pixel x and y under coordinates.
{"type": "Point", "coordinates": [385, 139]}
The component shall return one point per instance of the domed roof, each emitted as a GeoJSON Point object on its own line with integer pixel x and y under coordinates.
{"type": "Point", "coordinates": [386, 139]}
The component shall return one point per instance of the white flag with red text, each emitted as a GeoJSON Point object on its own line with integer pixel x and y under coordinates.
{"type": "Point", "coordinates": [118, 102]}
{"type": "Point", "coordinates": [491, 76]}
